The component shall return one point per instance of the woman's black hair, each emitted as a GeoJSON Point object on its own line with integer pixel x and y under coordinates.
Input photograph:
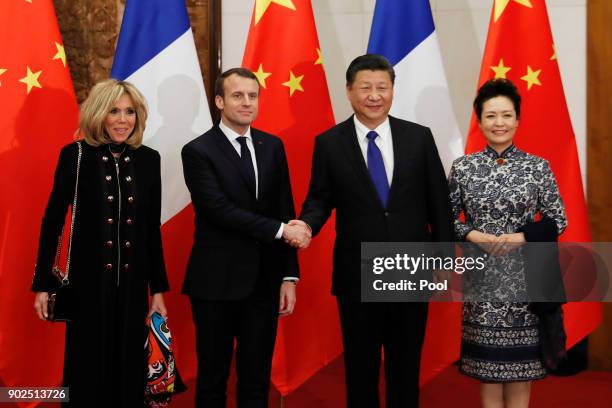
{"type": "Point", "coordinates": [497, 87]}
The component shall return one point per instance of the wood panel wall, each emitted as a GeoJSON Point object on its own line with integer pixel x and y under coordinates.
{"type": "Point", "coordinates": [599, 154]}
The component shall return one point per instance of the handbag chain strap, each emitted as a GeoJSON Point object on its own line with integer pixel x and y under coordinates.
{"type": "Point", "coordinates": [56, 269]}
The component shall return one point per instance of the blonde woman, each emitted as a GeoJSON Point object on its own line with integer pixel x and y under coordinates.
{"type": "Point", "coordinates": [116, 257]}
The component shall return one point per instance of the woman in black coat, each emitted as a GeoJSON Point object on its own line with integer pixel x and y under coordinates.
{"type": "Point", "coordinates": [116, 252]}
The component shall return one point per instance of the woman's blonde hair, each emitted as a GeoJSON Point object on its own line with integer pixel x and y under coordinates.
{"type": "Point", "coordinates": [98, 105]}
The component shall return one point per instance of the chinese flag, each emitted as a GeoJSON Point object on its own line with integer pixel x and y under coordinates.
{"type": "Point", "coordinates": [39, 116]}
{"type": "Point", "coordinates": [283, 51]}
{"type": "Point", "coordinates": [520, 47]}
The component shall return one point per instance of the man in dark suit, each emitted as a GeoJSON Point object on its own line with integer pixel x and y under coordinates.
{"type": "Point", "coordinates": [240, 270]}
{"type": "Point", "coordinates": [384, 178]}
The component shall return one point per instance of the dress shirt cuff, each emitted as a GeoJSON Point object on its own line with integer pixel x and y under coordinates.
{"type": "Point", "coordinates": [279, 234]}
{"type": "Point", "coordinates": [291, 279]}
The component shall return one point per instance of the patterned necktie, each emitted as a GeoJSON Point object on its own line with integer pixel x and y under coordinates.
{"type": "Point", "coordinates": [376, 167]}
{"type": "Point", "coordinates": [246, 161]}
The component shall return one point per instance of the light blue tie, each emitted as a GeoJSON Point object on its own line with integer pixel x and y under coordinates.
{"type": "Point", "coordinates": [376, 167]}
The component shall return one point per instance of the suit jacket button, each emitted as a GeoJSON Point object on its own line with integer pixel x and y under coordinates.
{"type": "Point", "coordinates": [110, 198]}
{"type": "Point", "coordinates": [110, 221]}
{"type": "Point", "coordinates": [129, 221]}
{"type": "Point", "coordinates": [109, 267]}
{"type": "Point", "coordinates": [109, 244]}
{"type": "Point", "coordinates": [126, 266]}
{"type": "Point", "coordinates": [128, 244]}
{"type": "Point", "coordinates": [130, 199]}
{"type": "Point", "coordinates": [386, 213]}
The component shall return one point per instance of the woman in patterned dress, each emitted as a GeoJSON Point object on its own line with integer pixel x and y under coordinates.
{"type": "Point", "coordinates": [499, 190]}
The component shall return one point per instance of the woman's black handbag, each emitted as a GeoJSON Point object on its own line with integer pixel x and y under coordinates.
{"type": "Point", "coordinates": [62, 299]}
{"type": "Point", "coordinates": [60, 306]}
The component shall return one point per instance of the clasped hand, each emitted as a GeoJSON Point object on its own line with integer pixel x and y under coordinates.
{"type": "Point", "coordinates": [297, 234]}
{"type": "Point", "coordinates": [496, 245]}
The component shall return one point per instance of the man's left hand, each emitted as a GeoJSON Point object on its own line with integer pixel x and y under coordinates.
{"type": "Point", "coordinates": [287, 298]}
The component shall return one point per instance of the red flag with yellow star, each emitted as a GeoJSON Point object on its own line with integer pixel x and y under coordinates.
{"type": "Point", "coordinates": [520, 48]}
{"type": "Point", "coordinates": [39, 116]}
{"type": "Point", "coordinates": [283, 51]}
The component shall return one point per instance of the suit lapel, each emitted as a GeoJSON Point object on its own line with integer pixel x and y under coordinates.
{"type": "Point", "coordinates": [400, 148]}
{"type": "Point", "coordinates": [232, 156]}
{"type": "Point", "coordinates": [348, 135]}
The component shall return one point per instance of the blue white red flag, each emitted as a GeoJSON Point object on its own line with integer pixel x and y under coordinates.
{"type": "Point", "coordinates": [404, 32]}
{"type": "Point", "coordinates": [156, 52]}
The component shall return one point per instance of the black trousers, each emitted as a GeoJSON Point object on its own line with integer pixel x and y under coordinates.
{"type": "Point", "coordinates": [252, 324]}
{"type": "Point", "coordinates": [367, 328]}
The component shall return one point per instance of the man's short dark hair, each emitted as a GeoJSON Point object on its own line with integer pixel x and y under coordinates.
{"type": "Point", "coordinates": [494, 88]}
{"type": "Point", "coordinates": [242, 72]}
{"type": "Point", "coordinates": [370, 62]}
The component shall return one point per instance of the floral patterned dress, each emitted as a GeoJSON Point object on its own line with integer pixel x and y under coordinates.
{"type": "Point", "coordinates": [498, 194]}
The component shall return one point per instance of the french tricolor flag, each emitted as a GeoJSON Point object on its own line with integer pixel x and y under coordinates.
{"type": "Point", "coordinates": [156, 52]}
{"type": "Point", "coordinates": [404, 32]}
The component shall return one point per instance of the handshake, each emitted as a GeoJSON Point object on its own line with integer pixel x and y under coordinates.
{"type": "Point", "coordinates": [297, 234]}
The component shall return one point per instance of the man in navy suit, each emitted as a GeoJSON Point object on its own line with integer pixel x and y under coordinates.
{"type": "Point", "coordinates": [240, 270]}
{"type": "Point", "coordinates": [384, 178]}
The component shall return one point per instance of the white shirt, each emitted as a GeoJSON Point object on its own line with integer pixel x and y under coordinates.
{"type": "Point", "coordinates": [232, 136]}
{"type": "Point", "coordinates": [384, 141]}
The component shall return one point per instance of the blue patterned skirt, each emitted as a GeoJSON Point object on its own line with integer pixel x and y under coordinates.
{"type": "Point", "coordinates": [500, 343]}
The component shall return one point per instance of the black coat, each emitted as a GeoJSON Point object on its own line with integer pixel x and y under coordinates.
{"type": "Point", "coordinates": [234, 243]}
{"type": "Point", "coordinates": [418, 208]}
{"type": "Point", "coordinates": [116, 256]}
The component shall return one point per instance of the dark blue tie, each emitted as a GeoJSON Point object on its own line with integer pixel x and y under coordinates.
{"type": "Point", "coordinates": [376, 167]}
{"type": "Point", "coordinates": [247, 162]}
